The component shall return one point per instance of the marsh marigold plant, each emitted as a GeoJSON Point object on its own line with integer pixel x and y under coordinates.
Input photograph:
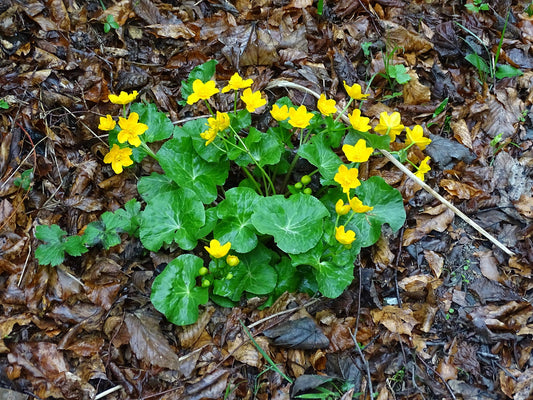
{"type": "Point", "coordinates": [252, 211]}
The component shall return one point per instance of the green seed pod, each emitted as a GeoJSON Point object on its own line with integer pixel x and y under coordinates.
{"type": "Point", "coordinates": [306, 179]}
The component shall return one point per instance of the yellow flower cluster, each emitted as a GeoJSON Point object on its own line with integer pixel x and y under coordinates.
{"type": "Point", "coordinates": [130, 131]}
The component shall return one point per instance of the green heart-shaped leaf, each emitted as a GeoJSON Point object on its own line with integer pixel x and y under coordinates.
{"type": "Point", "coordinates": [319, 153]}
{"type": "Point", "coordinates": [295, 223]}
{"type": "Point", "coordinates": [235, 225]}
{"type": "Point", "coordinates": [172, 217]}
{"type": "Point", "coordinates": [174, 291]}
{"type": "Point", "coordinates": [181, 163]}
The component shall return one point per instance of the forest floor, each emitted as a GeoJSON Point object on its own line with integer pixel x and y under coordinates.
{"type": "Point", "coordinates": [436, 311]}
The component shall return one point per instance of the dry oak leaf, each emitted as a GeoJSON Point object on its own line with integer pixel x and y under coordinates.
{"type": "Point", "coordinates": [395, 319]}
{"type": "Point", "coordinates": [459, 189]}
{"type": "Point", "coordinates": [433, 219]}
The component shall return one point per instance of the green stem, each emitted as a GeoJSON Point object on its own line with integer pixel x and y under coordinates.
{"type": "Point", "coordinates": [249, 175]}
{"type": "Point", "coordinates": [209, 108]}
{"type": "Point", "coordinates": [149, 151]}
{"type": "Point", "coordinates": [344, 110]}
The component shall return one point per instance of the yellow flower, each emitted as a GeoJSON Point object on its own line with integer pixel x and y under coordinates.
{"type": "Point", "coordinates": [118, 158]}
{"type": "Point", "coordinates": [423, 168]}
{"type": "Point", "coordinates": [358, 206]}
{"type": "Point", "coordinates": [232, 260]}
{"type": "Point", "coordinates": [216, 250]}
{"type": "Point", "coordinates": [416, 136]}
{"type": "Point", "coordinates": [359, 152]}
{"type": "Point", "coordinates": [279, 114]}
{"type": "Point", "coordinates": [354, 91]}
{"type": "Point", "coordinates": [299, 118]}
{"type": "Point", "coordinates": [389, 124]}
{"type": "Point", "coordinates": [202, 91]}
{"type": "Point", "coordinates": [326, 107]}
{"type": "Point", "coordinates": [219, 123]}
{"type": "Point", "coordinates": [253, 100]}
{"type": "Point", "coordinates": [107, 123]}
{"type": "Point", "coordinates": [344, 237]}
{"type": "Point", "coordinates": [341, 208]}
{"type": "Point", "coordinates": [347, 178]}
{"type": "Point", "coordinates": [131, 129]}
{"type": "Point", "coordinates": [123, 97]}
{"type": "Point", "coordinates": [358, 122]}
{"type": "Point", "coordinates": [209, 135]}
{"type": "Point", "coordinates": [236, 83]}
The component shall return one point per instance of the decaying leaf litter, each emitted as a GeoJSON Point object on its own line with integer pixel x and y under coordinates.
{"type": "Point", "coordinates": [436, 311]}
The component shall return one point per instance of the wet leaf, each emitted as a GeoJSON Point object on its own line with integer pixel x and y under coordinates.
{"type": "Point", "coordinates": [298, 334]}
{"type": "Point", "coordinates": [395, 319]}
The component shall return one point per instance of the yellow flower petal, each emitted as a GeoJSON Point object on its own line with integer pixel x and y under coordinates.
{"type": "Point", "coordinates": [236, 83]}
{"type": "Point", "coordinates": [358, 122]}
{"type": "Point", "coordinates": [358, 206]}
{"type": "Point", "coordinates": [107, 123]}
{"type": "Point", "coordinates": [123, 97]}
{"type": "Point", "coordinates": [252, 100]}
{"type": "Point", "coordinates": [299, 117]}
{"type": "Point", "coordinates": [344, 237]}
{"type": "Point", "coordinates": [279, 113]}
{"type": "Point", "coordinates": [217, 250]}
{"type": "Point", "coordinates": [202, 91]}
{"type": "Point", "coordinates": [354, 91]}
{"type": "Point", "coordinates": [347, 178]}
{"type": "Point", "coordinates": [359, 152]}
{"type": "Point", "coordinates": [416, 136]}
{"type": "Point", "coordinates": [118, 158]}
{"type": "Point", "coordinates": [389, 124]}
{"type": "Point", "coordinates": [341, 208]}
{"type": "Point", "coordinates": [326, 107]}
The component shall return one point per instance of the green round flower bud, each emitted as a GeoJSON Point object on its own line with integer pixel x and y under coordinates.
{"type": "Point", "coordinates": [308, 191]}
{"type": "Point", "coordinates": [298, 185]}
{"type": "Point", "coordinates": [203, 271]}
{"type": "Point", "coordinates": [229, 276]}
{"type": "Point", "coordinates": [206, 283]}
{"type": "Point", "coordinates": [306, 179]}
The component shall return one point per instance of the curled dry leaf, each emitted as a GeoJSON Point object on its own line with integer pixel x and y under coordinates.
{"type": "Point", "coordinates": [395, 319]}
{"type": "Point", "coordinates": [435, 262]}
{"type": "Point", "coordinates": [461, 133]}
{"type": "Point", "coordinates": [459, 189]}
{"type": "Point", "coordinates": [434, 219]}
{"type": "Point", "coordinates": [414, 92]}
{"type": "Point", "coordinates": [147, 341]}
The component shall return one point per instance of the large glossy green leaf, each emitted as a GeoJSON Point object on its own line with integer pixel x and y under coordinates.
{"type": "Point", "coordinates": [333, 279]}
{"type": "Point", "coordinates": [181, 163]}
{"type": "Point", "coordinates": [319, 153]}
{"type": "Point", "coordinates": [175, 293]}
{"type": "Point", "coordinates": [253, 274]}
{"type": "Point", "coordinates": [235, 225]}
{"type": "Point", "coordinates": [192, 129]}
{"type": "Point", "coordinates": [388, 209]}
{"type": "Point", "coordinates": [372, 140]}
{"type": "Point", "coordinates": [150, 187]}
{"type": "Point", "coordinates": [172, 217]}
{"type": "Point", "coordinates": [295, 223]}
{"type": "Point", "coordinates": [160, 127]}
{"type": "Point", "coordinates": [265, 148]}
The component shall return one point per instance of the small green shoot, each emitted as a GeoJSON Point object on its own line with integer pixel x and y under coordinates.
{"type": "Point", "coordinates": [439, 110]}
{"type": "Point", "coordinates": [477, 6]}
{"type": "Point", "coordinates": [449, 313]}
{"type": "Point", "coordinates": [394, 73]}
{"type": "Point", "coordinates": [24, 181]}
{"type": "Point", "coordinates": [529, 9]}
{"type": "Point", "coordinates": [110, 23]}
{"type": "Point", "coordinates": [320, 7]}
{"type": "Point", "coordinates": [4, 104]}
{"type": "Point", "coordinates": [365, 46]}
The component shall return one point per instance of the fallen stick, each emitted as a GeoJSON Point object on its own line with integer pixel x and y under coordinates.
{"type": "Point", "coordinates": [391, 158]}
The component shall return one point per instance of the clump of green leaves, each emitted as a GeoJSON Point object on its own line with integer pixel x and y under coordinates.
{"type": "Point", "coordinates": [232, 190]}
{"type": "Point", "coordinates": [477, 6]}
{"type": "Point", "coordinates": [24, 181]}
{"type": "Point", "coordinates": [395, 74]}
{"type": "Point", "coordinates": [110, 23]}
{"type": "Point", "coordinates": [4, 104]}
